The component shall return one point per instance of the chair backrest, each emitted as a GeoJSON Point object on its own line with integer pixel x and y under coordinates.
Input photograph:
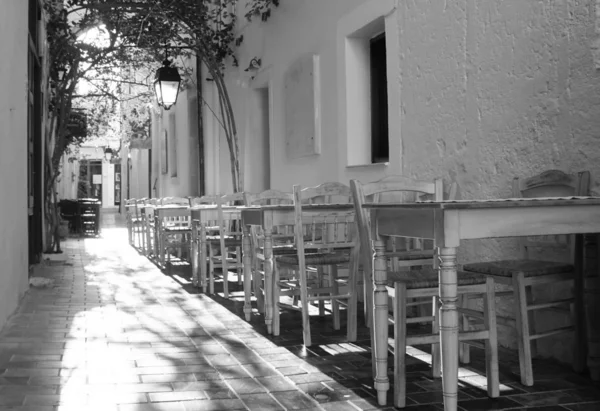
{"type": "Point", "coordinates": [550, 183]}
{"type": "Point", "coordinates": [269, 197]}
{"type": "Point", "coordinates": [326, 230]}
{"type": "Point", "coordinates": [325, 193]}
{"type": "Point", "coordinates": [374, 192]}
{"type": "Point", "coordinates": [175, 201]}
{"type": "Point", "coordinates": [209, 199]}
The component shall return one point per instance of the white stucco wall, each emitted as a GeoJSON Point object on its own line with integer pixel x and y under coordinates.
{"type": "Point", "coordinates": [13, 156]}
{"type": "Point", "coordinates": [185, 156]}
{"type": "Point", "coordinates": [480, 92]}
{"type": "Point", "coordinates": [483, 92]}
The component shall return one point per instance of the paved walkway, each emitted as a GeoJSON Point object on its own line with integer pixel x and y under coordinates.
{"type": "Point", "coordinates": [115, 333]}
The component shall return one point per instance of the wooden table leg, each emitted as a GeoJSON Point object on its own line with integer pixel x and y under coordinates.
{"type": "Point", "coordinates": [380, 321]}
{"type": "Point", "coordinates": [247, 263]}
{"type": "Point", "coordinates": [268, 267]}
{"type": "Point", "coordinates": [195, 254]}
{"type": "Point", "coordinates": [449, 326]}
{"type": "Point", "coordinates": [202, 260]}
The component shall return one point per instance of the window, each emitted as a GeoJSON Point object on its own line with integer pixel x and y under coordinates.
{"type": "Point", "coordinates": [380, 152]}
{"type": "Point", "coordinates": [369, 120]}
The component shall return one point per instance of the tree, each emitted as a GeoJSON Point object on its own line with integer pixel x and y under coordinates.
{"type": "Point", "coordinates": [136, 33]}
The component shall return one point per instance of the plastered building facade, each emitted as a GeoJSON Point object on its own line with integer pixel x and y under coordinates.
{"type": "Point", "coordinates": [478, 92]}
{"type": "Point", "coordinates": [15, 203]}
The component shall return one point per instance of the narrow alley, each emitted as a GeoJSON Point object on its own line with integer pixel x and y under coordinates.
{"type": "Point", "coordinates": [115, 333]}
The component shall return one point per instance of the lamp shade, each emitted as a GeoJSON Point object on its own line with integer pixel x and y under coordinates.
{"type": "Point", "coordinates": [108, 153]}
{"type": "Point", "coordinates": [166, 85]}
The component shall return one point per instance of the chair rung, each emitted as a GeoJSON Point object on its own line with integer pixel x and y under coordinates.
{"type": "Point", "coordinates": [477, 344]}
{"type": "Point", "coordinates": [553, 332]}
{"type": "Point", "coordinates": [328, 297]}
{"type": "Point", "coordinates": [435, 338]}
{"type": "Point", "coordinates": [288, 307]}
{"type": "Point", "coordinates": [474, 296]}
{"type": "Point", "coordinates": [413, 320]}
{"type": "Point", "coordinates": [473, 335]}
{"type": "Point", "coordinates": [471, 313]}
{"type": "Point", "coordinates": [550, 304]}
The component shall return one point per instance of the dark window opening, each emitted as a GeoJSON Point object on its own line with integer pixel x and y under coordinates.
{"type": "Point", "coordinates": [380, 151]}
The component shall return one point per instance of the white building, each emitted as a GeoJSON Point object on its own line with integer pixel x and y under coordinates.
{"type": "Point", "coordinates": [22, 45]}
{"type": "Point", "coordinates": [478, 92]}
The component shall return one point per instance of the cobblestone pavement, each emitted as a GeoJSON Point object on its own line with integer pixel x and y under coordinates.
{"type": "Point", "coordinates": [115, 333]}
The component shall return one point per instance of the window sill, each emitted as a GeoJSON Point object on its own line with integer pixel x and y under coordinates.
{"type": "Point", "coordinates": [371, 165]}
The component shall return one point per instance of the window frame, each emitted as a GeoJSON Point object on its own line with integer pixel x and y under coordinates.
{"type": "Point", "coordinates": [355, 29]}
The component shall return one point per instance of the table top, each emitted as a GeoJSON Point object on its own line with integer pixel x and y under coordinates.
{"type": "Point", "coordinates": [307, 207]}
{"type": "Point", "coordinates": [495, 203]}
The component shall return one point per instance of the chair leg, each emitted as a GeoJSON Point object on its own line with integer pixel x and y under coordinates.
{"type": "Point", "coordinates": [211, 269]}
{"type": "Point", "coordinates": [368, 298]}
{"type": "Point", "coordinates": [580, 340]}
{"type": "Point", "coordinates": [256, 284]}
{"type": "Point", "coordinates": [521, 316]}
{"type": "Point", "coordinates": [320, 270]}
{"type": "Point", "coordinates": [531, 319]}
{"type": "Point", "coordinates": [400, 346]}
{"type": "Point", "coordinates": [225, 271]}
{"type": "Point", "coordinates": [275, 300]}
{"type": "Point", "coordinates": [491, 344]}
{"type": "Point", "coordinates": [168, 264]}
{"type": "Point", "coordinates": [335, 304]}
{"type": "Point", "coordinates": [351, 311]}
{"type": "Point", "coordinates": [436, 356]}
{"type": "Point", "coordinates": [464, 352]}
{"type": "Point", "coordinates": [305, 304]}
{"type": "Point", "coordinates": [238, 262]}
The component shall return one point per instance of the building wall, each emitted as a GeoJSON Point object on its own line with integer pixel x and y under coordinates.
{"type": "Point", "coordinates": [13, 156]}
{"type": "Point", "coordinates": [480, 92]}
{"type": "Point", "coordinates": [179, 177]}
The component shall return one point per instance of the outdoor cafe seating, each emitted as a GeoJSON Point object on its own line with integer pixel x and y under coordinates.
{"type": "Point", "coordinates": [395, 239]}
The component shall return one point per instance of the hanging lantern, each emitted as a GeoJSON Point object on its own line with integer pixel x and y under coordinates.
{"type": "Point", "coordinates": [166, 85]}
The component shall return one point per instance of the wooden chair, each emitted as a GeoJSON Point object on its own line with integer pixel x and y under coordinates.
{"type": "Point", "coordinates": [413, 282]}
{"type": "Point", "coordinates": [207, 200]}
{"type": "Point", "coordinates": [525, 273]}
{"type": "Point", "coordinates": [176, 201]}
{"type": "Point", "coordinates": [283, 240]}
{"type": "Point", "coordinates": [225, 247]}
{"type": "Point", "coordinates": [173, 229]}
{"type": "Point", "coordinates": [129, 206]}
{"type": "Point", "coordinates": [322, 241]}
{"type": "Point", "coordinates": [148, 223]}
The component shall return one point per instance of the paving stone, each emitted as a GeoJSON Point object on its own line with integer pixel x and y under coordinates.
{"type": "Point", "coordinates": [117, 334]}
{"type": "Point", "coordinates": [262, 402]}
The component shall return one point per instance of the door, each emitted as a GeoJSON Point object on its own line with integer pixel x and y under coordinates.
{"type": "Point", "coordinates": [258, 149]}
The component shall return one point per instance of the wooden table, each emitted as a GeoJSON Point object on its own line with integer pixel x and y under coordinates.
{"type": "Point", "coordinates": [447, 223]}
{"type": "Point", "coordinates": [268, 217]}
{"type": "Point", "coordinates": [202, 216]}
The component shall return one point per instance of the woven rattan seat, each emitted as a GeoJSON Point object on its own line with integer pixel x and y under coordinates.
{"type": "Point", "coordinates": [177, 229]}
{"type": "Point", "coordinates": [529, 268]}
{"type": "Point", "coordinates": [428, 278]}
{"type": "Point", "coordinates": [315, 259]}
{"type": "Point", "coordinates": [230, 241]}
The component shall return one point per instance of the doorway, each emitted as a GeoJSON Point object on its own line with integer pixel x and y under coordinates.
{"type": "Point", "coordinates": [259, 147]}
{"type": "Point", "coordinates": [90, 179]}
